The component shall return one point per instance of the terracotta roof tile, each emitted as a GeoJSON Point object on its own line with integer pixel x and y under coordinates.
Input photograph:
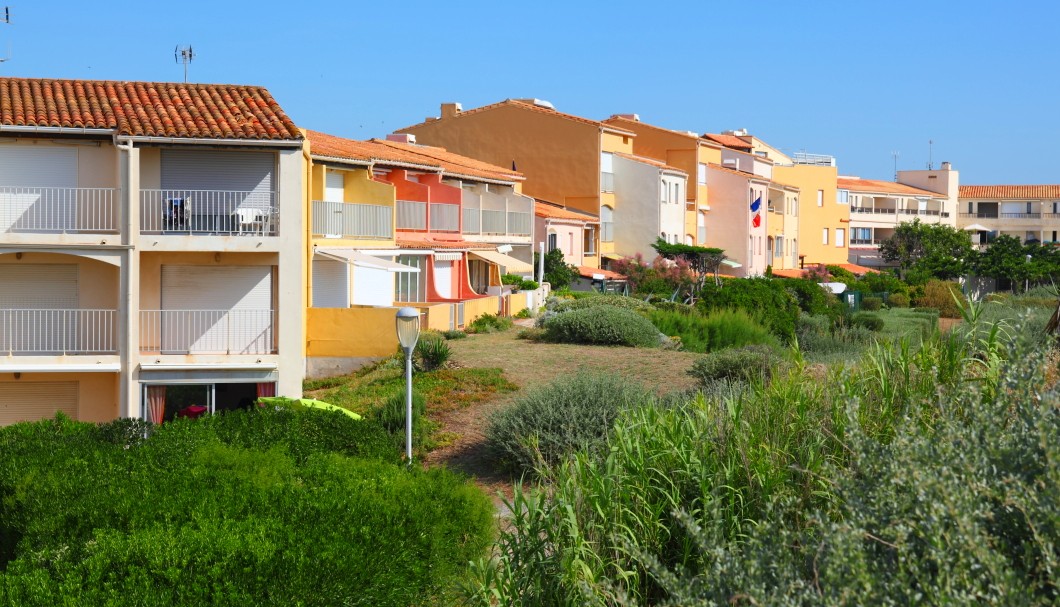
{"type": "Point", "coordinates": [1009, 191]}
{"type": "Point", "coordinates": [532, 107]}
{"type": "Point", "coordinates": [587, 272]}
{"type": "Point", "coordinates": [148, 109]}
{"type": "Point", "coordinates": [729, 141]}
{"type": "Point", "coordinates": [427, 242]}
{"type": "Point", "coordinates": [551, 211]}
{"type": "Point", "coordinates": [876, 186]}
{"type": "Point", "coordinates": [426, 157]}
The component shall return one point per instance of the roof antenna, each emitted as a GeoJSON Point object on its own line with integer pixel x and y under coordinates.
{"type": "Point", "coordinates": [184, 54]}
{"type": "Point", "coordinates": [6, 18]}
{"type": "Point", "coordinates": [931, 165]}
{"type": "Point", "coordinates": [895, 155]}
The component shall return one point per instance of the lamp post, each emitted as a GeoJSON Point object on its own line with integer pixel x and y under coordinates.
{"type": "Point", "coordinates": [408, 331]}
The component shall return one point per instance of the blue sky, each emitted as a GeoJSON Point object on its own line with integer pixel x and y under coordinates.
{"type": "Point", "coordinates": [854, 79]}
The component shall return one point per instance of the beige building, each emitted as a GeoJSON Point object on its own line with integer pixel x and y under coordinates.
{"type": "Point", "coordinates": [150, 256]}
{"type": "Point", "coordinates": [1028, 212]}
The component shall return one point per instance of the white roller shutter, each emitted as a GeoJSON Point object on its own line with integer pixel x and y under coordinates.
{"type": "Point", "coordinates": [31, 168]}
{"type": "Point", "coordinates": [29, 294]}
{"type": "Point", "coordinates": [443, 278]}
{"type": "Point", "coordinates": [224, 309]}
{"type": "Point", "coordinates": [373, 287]}
{"type": "Point", "coordinates": [334, 186]}
{"type": "Point", "coordinates": [331, 285]}
{"type": "Point", "coordinates": [217, 170]}
{"type": "Point", "coordinates": [23, 401]}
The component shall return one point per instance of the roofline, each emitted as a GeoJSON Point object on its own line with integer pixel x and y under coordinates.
{"type": "Point", "coordinates": [56, 130]}
{"type": "Point", "coordinates": [326, 158]}
{"type": "Point", "coordinates": [272, 143]}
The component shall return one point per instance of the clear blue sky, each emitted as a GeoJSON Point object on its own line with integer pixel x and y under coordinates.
{"type": "Point", "coordinates": [854, 79]}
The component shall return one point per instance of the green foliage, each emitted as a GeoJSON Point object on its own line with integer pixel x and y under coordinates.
{"type": "Point", "coordinates": [454, 334]}
{"type": "Point", "coordinates": [392, 417]}
{"type": "Point", "coordinates": [880, 282]}
{"type": "Point", "coordinates": [821, 339]}
{"type": "Point", "coordinates": [871, 304]}
{"type": "Point", "coordinates": [715, 330]}
{"type": "Point", "coordinates": [431, 352]}
{"type": "Point", "coordinates": [673, 306]}
{"type": "Point", "coordinates": [558, 272]}
{"type": "Point", "coordinates": [746, 363]}
{"type": "Point", "coordinates": [490, 323]}
{"type": "Point", "coordinates": [661, 277]}
{"type": "Point", "coordinates": [604, 325]}
{"type": "Point", "coordinates": [242, 508]}
{"type": "Point", "coordinates": [766, 298]}
{"type": "Point", "coordinates": [941, 296]}
{"type": "Point", "coordinates": [524, 313]}
{"type": "Point", "coordinates": [532, 334]}
{"type": "Point", "coordinates": [898, 300]}
{"type": "Point", "coordinates": [519, 282]}
{"type": "Point", "coordinates": [926, 251]}
{"type": "Point", "coordinates": [812, 297]}
{"type": "Point", "coordinates": [607, 299]}
{"type": "Point", "coordinates": [870, 321]}
{"type": "Point", "coordinates": [549, 423]}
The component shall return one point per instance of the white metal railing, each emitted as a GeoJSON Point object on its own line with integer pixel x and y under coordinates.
{"type": "Point", "coordinates": [519, 224]}
{"type": "Point", "coordinates": [494, 222]}
{"type": "Point", "coordinates": [607, 182]}
{"type": "Point", "coordinates": [352, 220]}
{"type": "Point", "coordinates": [607, 231]}
{"type": "Point", "coordinates": [228, 212]}
{"type": "Point", "coordinates": [65, 210]}
{"type": "Point", "coordinates": [58, 331]}
{"type": "Point", "coordinates": [207, 331]}
{"type": "Point", "coordinates": [411, 215]}
{"type": "Point", "coordinates": [445, 217]}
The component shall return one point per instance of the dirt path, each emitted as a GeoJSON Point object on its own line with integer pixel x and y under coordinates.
{"type": "Point", "coordinates": [528, 365]}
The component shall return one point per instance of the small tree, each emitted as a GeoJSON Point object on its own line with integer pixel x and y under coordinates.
{"type": "Point", "coordinates": [701, 260]}
{"type": "Point", "coordinates": [925, 251]}
{"type": "Point", "coordinates": [558, 272]}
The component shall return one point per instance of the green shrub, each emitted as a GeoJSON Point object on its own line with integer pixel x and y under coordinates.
{"type": "Point", "coordinates": [812, 297]}
{"type": "Point", "coordinates": [767, 299]}
{"type": "Point", "coordinates": [940, 295]}
{"type": "Point", "coordinates": [525, 313]}
{"type": "Point", "coordinates": [821, 339]}
{"type": "Point", "coordinates": [747, 363]}
{"type": "Point", "coordinates": [871, 304]}
{"type": "Point", "coordinates": [610, 300]}
{"type": "Point", "coordinates": [868, 320]}
{"type": "Point", "coordinates": [551, 422]}
{"type": "Point", "coordinates": [431, 351]}
{"type": "Point", "coordinates": [489, 323]}
{"type": "Point", "coordinates": [454, 334]}
{"type": "Point", "coordinates": [604, 325]}
{"type": "Point", "coordinates": [716, 330]}
{"type": "Point", "coordinates": [673, 306]}
{"type": "Point", "coordinates": [898, 300]}
{"type": "Point", "coordinates": [532, 334]}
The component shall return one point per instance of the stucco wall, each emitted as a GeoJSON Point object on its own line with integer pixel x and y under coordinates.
{"type": "Point", "coordinates": [814, 219]}
{"type": "Point", "coordinates": [637, 208]}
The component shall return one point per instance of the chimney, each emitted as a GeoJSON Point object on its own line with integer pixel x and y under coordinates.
{"type": "Point", "coordinates": [947, 166]}
{"type": "Point", "coordinates": [451, 109]}
{"type": "Point", "coordinates": [633, 117]}
{"type": "Point", "coordinates": [402, 138]}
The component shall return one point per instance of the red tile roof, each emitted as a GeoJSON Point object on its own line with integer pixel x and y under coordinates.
{"type": "Point", "coordinates": [532, 107]}
{"type": "Point", "coordinates": [729, 141]}
{"type": "Point", "coordinates": [551, 211]}
{"type": "Point", "coordinates": [428, 242]}
{"type": "Point", "coordinates": [587, 272]}
{"type": "Point", "coordinates": [875, 186]}
{"type": "Point", "coordinates": [794, 273]}
{"type": "Point", "coordinates": [422, 156]}
{"type": "Point", "coordinates": [1009, 191]}
{"type": "Point", "coordinates": [856, 269]}
{"type": "Point", "coordinates": [149, 109]}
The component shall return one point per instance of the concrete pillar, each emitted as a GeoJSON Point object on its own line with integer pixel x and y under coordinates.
{"type": "Point", "coordinates": [129, 284]}
{"type": "Point", "coordinates": [291, 315]}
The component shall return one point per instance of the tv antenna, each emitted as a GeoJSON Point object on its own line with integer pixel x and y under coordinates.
{"type": "Point", "coordinates": [931, 165]}
{"type": "Point", "coordinates": [6, 18]}
{"type": "Point", "coordinates": [184, 54]}
{"type": "Point", "coordinates": [895, 155]}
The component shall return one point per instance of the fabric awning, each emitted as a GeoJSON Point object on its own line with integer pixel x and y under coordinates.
{"type": "Point", "coordinates": [448, 255]}
{"type": "Point", "coordinates": [356, 258]}
{"type": "Point", "coordinates": [511, 264]}
{"type": "Point", "coordinates": [976, 227]}
{"type": "Point", "coordinates": [614, 256]}
{"type": "Point", "coordinates": [731, 263]}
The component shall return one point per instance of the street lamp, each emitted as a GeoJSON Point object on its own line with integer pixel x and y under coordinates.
{"type": "Point", "coordinates": [408, 331]}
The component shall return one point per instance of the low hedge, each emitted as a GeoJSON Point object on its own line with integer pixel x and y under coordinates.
{"type": "Point", "coordinates": [767, 299]}
{"type": "Point", "coordinates": [604, 325]}
{"type": "Point", "coordinates": [614, 301]}
{"type": "Point", "coordinates": [748, 363]}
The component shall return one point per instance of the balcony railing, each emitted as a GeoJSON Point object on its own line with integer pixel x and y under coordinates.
{"type": "Point", "coordinates": [59, 210]}
{"type": "Point", "coordinates": [872, 210]}
{"type": "Point", "coordinates": [863, 241]}
{"type": "Point", "coordinates": [351, 220]}
{"type": "Point", "coordinates": [607, 182]}
{"type": "Point", "coordinates": [496, 222]}
{"type": "Point", "coordinates": [220, 212]}
{"type": "Point", "coordinates": [980, 215]}
{"type": "Point", "coordinates": [445, 217]}
{"type": "Point", "coordinates": [43, 332]}
{"type": "Point", "coordinates": [519, 224]}
{"type": "Point", "coordinates": [1021, 215]}
{"type": "Point", "coordinates": [207, 331]}
{"type": "Point", "coordinates": [411, 215]}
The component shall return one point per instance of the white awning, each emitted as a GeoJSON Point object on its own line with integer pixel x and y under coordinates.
{"type": "Point", "coordinates": [511, 264]}
{"type": "Point", "coordinates": [976, 227]}
{"type": "Point", "coordinates": [731, 263]}
{"type": "Point", "coordinates": [448, 255]}
{"type": "Point", "coordinates": [356, 258]}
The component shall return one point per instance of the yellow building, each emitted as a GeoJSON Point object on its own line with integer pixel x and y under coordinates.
{"type": "Point", "coordinates": [824, 217]}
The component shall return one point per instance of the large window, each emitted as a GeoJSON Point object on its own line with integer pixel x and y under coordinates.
{"type": "Point", "coordinates": [411, 286]}
{"type": "Point", "coordinates": [607, 172]}
{"type": "Point", "coordinates": [607, 224]}
{"type": "Point", "coordinates": [842, 196]}
{"type": "Point", "coordinates": [589, 243]}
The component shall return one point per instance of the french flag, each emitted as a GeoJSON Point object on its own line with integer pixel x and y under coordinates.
{"type": "Point", "coordinates": [756, 221]}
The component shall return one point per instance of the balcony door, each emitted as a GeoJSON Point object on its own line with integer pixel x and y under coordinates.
{"type": "Point", "coordinates": [216, 309]}
{"type": "Point", "coordinates": [38, 304]}
{"type": "Point", "coordinates": [37, 188]}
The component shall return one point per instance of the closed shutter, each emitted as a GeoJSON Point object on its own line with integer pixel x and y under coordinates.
{"type": "Point", "coordinates": [443, 278]}
{"type": "Point", "coordinates": [334, 187]}
{"type": "Point", "coordinates": [373, 287]}
{"type": "Point", "coordinates": [330, 284]}
{"type": "Point", "coordinates": [224, 309]}
{"type": "Point", "coordinates": [24, 401]}
{"type": "Point", "coordinates": [29, 294]}
{"type": "Point", "coordinates": [31, 168]}
{"type": "Point", "coordinates": [217, 184]}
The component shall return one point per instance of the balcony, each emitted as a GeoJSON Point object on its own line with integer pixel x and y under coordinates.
{"type": "Point", "coordinates": [209, 212]}
{"type": "Point", "coordinates": [1021, 215]}
{"type": "Point", "coordinates": [445, 218]}
{"type": "Point", "coordinates": [208, 331]}
{"type": "Point", "coordinates": [874, 211]}
{"type": "Point", "coordinates": [863, 241]}
{"type": "Point", "coordinates": [350, 220]}
{"type": "Point", "coordinates": [980, 215]}
{"type": "Point", "coordinates": [59, 210]}
{"type": "Point", "coordinates": [58, 332]}
{"type": "Point", "coordinates": [411, 215]}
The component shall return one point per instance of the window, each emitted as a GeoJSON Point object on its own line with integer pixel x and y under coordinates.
{"type": "Point", "coordinates": [607, 172]}
{"type": "Point", "coordinates": [842, 196]}
{"type": "Point", "coordinates": [820, 199]}
{"type": "Point", "coordinates": [607, 224]}
{"type": "Point", "coordinates": [570, 244]}
{"type": "Point", "coordinates": [662, 191]}
{"type": "Point", "coordinates": [411, 286]}
{"type": "Point", "coordinates": [553, 241]}
{"type": "Point", "coordinates": [778, 250]}
{"type": "Point", "coordinates": [677, 195]}
{"type": "Point", "coordinates": [824, 235]}
{"type": "Point", "coordinates": [663, 236]}
{"type": "Point", "coordinates": [589, 244]}
{"type": "Point", "coordinates": [840, 237]}
{"type": "Point", "coordinates": [702, 174]}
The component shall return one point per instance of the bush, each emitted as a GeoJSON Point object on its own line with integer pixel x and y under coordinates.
{"type": "Point", "coordinates": [868, 320]}
{"type": "Point", "coordinates": [489, 323]}
{"type": "Point", "coordinates": [767, 299]}
{"type": "Point", "coordinates": [940, 295]}
{"type": "Point", "coordinates": [525, 313]}
{"type": "Point", "coordinates": [747, 363]}
{"type": "Point", "coordinates": [812, 297]}
{"type": "Point", "coordinates": [551, 422]}
{"type": "Point", "coordinates": [454, 334]}
{"type": "Point", "coordinates": [673, 306]}
{"type": "Point", "coordinates": [716, 330]}
{"type": "Point", "coordinates": [392, 417]}
{"type": "Point", "coordinates": [604, 325]}
{"type": "Point", "coordinates": [871, 304]}
{"type": "Point", "coordinates": [898, 300]}
{"type": "Point", "coordinates": [431, 352]}
{"type": "Point", "coordinates": [532, 334]}
{"type": "Point", "coordinates": [519, 282]}
{"type": "Point", "coordinates": [614, 301]}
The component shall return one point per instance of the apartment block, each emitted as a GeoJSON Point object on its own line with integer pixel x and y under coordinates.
{"type": "Point", "coordinates": [1030, 213]}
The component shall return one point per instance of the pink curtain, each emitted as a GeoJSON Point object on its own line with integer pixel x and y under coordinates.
{"type": "Point", "coordinates": [156, 404]}
{"type": "Point", "coordinates": [266, 389]}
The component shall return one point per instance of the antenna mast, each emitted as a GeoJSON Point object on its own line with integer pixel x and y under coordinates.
{"type": "Point", "coordinates": [6, 18]}
{"type": "Point", "coordinates": [931, 165]}
{"type": "Point", "coordinates": [895, 155]}
{"type": "Point", "coordinates": [184, 54]}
